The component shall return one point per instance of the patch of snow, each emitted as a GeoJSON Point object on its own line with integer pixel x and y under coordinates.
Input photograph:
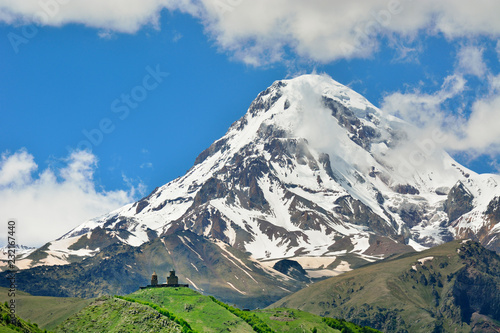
{"type": "Point", "coordinates": [165, 244]}
{"type": "Point", "coordinates": [20, 252]}
{"type": "Point", "coordinates": [185, 243]}
{"type": "Point", "coordinates": [244, 271]}
{"type": "Point", "coordinates": [423, 260]}
{"type": "Point", "coordinates": [65, 243]}
{"type": "Point", "coordinates": [313, 262]}
{"type": "Point", "coordinates": [231, 285]}
{"type": "Point", "coordinates": [284, 289]}
{"type": "Point", "coordinates": [319, 273]}
{"type": "Point", "coordinates": [53, 260]}
{"type": "Point", "coordinates": [416, 246]}
{"type": "Point", "coordinates": [194, 285]}
{"type": "Point", "coordinates": [361, 243]}
{"type": "Point", "coordinates": [343, 267]}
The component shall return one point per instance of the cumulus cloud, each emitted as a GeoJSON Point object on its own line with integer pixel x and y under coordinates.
{"type": "Point", "coordinates": [47, 203]}
{"type": "Point", "coordinates": [470, 61]}
{"type": "Point", "coordinates": [424, 109]}
{"type": "Point", "coordinates": [476, 134]}
{"type": "Point", "coordinates": [123, 16]}
{"type": "Point", "coordinates": [258, 31]}
{"type": "Point", "coordinates": [480, 132]}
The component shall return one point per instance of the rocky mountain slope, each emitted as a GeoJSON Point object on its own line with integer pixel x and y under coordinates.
{"type": "Point", "coordinates": [211, 267]}
{"type": "Point", "coordinates": [312, 171]}
{"type": "Point", "coordinates": [453, 287]}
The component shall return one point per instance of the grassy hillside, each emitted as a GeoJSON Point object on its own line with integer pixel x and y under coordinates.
{"type": "Point", "coordinates": [296, 321]}
{"type": "Point", "coordinates": [444, 289]}
{"type": "Point", "coordinates": [8, 326]}
{"type": "Point", "coordinates": [199, 311]}
{"type": "Point", "coordinates": [111, 314]}
{"type": "Point", "coordinates": [47, 312]}
{"type": "Point", "coordinates": [143, 310]}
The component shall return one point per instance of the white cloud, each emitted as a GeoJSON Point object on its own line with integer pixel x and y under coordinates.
{"type": "Point", "coordinates": [258, 31]}
{"type": "Point", "coordinates": [470, 61]}
{"type": "Point", "coordinates": [123, 16]}
{"type": "Point", "coordinates": [423, 109]}
{"type": "Point", "coordinates": [16, 169]}
{"type": "Point", "coordinates": [105, 34]}
{"type": "Point", "coordinates": [48, 203]}
{"type": "Point", "coordinates": [475, 135]}
{"type": "Point", "coordinates": [481, 133]}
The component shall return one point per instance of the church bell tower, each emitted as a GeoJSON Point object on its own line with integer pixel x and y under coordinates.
{"type": "Point", "coordinates": [154, 279]}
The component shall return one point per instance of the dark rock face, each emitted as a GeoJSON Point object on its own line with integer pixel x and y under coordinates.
{"type": "Point", "coordinates": [355, 212]}
{"type": "Point", "coordinates": [360, 134]}
{"type": "Point", "coordinates": [215, 147]}
{"type": "Point", "coordinates": [311, 219]}
{"type": "Point", "coordinates": [291, 238]}
{"type": "Point", "coordinates": [494, 209]}
{"type": "Point", "coordinates": [141, 205]}
{"type": "Point", "coordinates": [324, 159]}
{"type": "Point", "coordinates": [442, 191]}
{"type": "Point", "coordinates": [270, 131]}
{"type": "Point", "coordinates": [406, 189]}
{"type": "Point", "coordinates": [266, 99]}
{"type": "Point", "coordinates": [459, 202]}
{"type": "Point", "coordinates": [477, 286]}
{"type": "Point", "coordinates": [211, 189]}
{"type": "Point", "coordinates": [99, 238]}
{"type": "Point", "coordinates": [483, 234]}
{"type": "Point", "coordinates": [292, 269]}
{"type": "Point", "coordinates": [411, 214]}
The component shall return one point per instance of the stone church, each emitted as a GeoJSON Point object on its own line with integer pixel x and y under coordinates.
{"type": "Point", "coordinates": [172, 281]}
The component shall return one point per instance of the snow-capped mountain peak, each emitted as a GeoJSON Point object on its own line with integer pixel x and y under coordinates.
{"type": "Point", "coordinates": [312, 169]}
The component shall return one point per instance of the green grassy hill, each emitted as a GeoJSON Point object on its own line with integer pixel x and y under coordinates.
{"type": "Point", "coordinates": [20, 325]}
{"type": "Point", "coordinates": [142, 310]}
{"type": "Point", "coordinates": [454, 287]}
{"type": "Point", "coordinates": [290, 320]}
{"type": "Point", "coordinates": [199, 311]}
{"type": "Point", "coordinates": [111, 314]}
{"type": "Point", "coordinates": [47, 312]}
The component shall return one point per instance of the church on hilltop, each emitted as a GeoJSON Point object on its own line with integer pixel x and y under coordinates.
{"type": "Point", "coordinates": [172, 281]}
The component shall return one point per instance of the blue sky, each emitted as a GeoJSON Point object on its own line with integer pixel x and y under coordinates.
{"type": "Point", "coordinates": [153, 83]}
